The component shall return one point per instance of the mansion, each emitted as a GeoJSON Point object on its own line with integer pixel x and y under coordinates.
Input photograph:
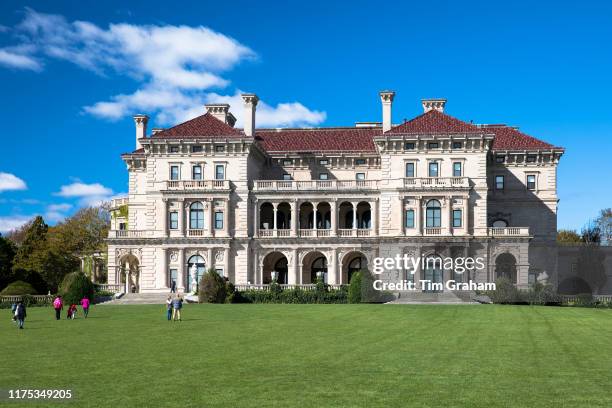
{"type": "Point", "coordinates": [300, 203]}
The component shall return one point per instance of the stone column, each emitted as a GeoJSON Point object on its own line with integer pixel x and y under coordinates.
{"type": "Point", "coordinates": [226, 216]}
{"type": "Point", "coordinates": [374, 216]}
{"type": "Point", "coordinates": [417, 217]}
{"type": "Point", "coordinates": [466, 215]}
{"type": "Point", "coordinates": [255, 218]}
{"type": "Point", "coordinates": [209, 259]}
{"type": "Point", "coordinates": [275, 216]}
{"type": "Point", "coordinates": [334, 217]}
{"type": "Point", "coordinates": [226, 255]}
{"type": "Point", "coordinates": [294, 275]}
{"type": "Point", "coordinates": [211, 218]}
{"type": "Point", "coordinates": [445, 222]}
{"type": "Point", "coordinates": [184, 217]}
{"type": "Point", "coordinates": [314, 215]}
{"type": "Point", "coordinates": [127, 277]}
{"type": "Point", "coordinates": [354, 215]}
{"type": "Point", "coordinates": [165, 215]}
{"type": "Point", "coordinates": [333, 272]}
{"type": "Point", "coordinates": [180, 284]}
{"type": "Point", "coordinates": [294, 218]}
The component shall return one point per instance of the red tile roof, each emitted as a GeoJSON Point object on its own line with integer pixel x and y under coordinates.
{"type": "Point", "coordinates": [435, 122]}
{"type": "Point", "coordinates": [318, 140]}
{"type": "Point", "coordinates": [204, 126]}
{"type": "Point", "coordinates": [509, 138]}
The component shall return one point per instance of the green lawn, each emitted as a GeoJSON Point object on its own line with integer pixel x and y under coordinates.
{"type": "Point", "coordinates": [316, 356]}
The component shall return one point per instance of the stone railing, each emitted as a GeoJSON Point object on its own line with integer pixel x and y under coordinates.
{"type": "Point", "coordinates": [178, 185]}
{"type": "Point", "coordinates": [129, 233]}
{"type": "Point", "coordinates": [196, 232]}
{"type": "Point", "coordinates": [297, 286]}
{"type": "Point", "coordinates": [109, 287]}
{"type": "Point", "coordinates": [433, 231]}
{"type": "Point", "coordinates": [436, 182]}
{"type": "Point", "coordinates": [314, 185]}
{"type": "Point", "coordinates": [314, 233]}
{"type": "Point", "coordinates": [118, 202]}
{"type": "Point", "coordinates": [508, 232]}
{"type": "Point", "coordinates": [37, 298]}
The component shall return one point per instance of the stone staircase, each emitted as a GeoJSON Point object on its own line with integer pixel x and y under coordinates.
{"type": "Point", "coordinates": [443, 298]}
{"type": "Point", "coordinates": [139, 299]}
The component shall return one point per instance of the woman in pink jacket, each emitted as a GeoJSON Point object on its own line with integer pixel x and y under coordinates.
{"type": "Point", "coordinates": [58, 305]}
{"type": "Point", "coordinates": [85, 306]}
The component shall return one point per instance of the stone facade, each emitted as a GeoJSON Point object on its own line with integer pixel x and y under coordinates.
{"type": "Point", "coordinates": [294, 204]}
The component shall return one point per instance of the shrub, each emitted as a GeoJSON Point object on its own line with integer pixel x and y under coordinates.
{"type": "Point", "coordinates": [541, 294]}
{"type": "Point", "coordinates": [354, 289]}
{"type": "Point", "coordinates": [212, 288]}
{"type": "Point", "coordinates": [294, 296]}
{"type": "Point", "coordinates": [76, 286]}
{"type": "Point", "coordinates": [505, 292]}
{"type": "Point", "coordinates": [18, 288]}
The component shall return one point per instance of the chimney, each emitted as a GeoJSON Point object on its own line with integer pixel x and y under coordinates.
{"type": "Point", "coordinates": [435, 103]}
{"type": "Point", "coordinates": [221, 112]}
{"type": "Point", "coordinates": [250, 104]}
{"type": "Point", "coordinates": [386, 98]}
{"type": "Point", "coordinates": [141, 128]}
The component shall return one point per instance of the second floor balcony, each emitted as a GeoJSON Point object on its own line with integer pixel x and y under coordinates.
{"type": "Point", "coordinates": [427, 183]}
{"type": "Point", "coordinates": [314, 185]}
{"type": "Point", "coordinates": [197, 185]}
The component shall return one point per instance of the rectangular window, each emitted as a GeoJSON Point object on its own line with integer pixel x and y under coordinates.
{"type": "Point", "coordinates": [409, 169]}
{"type": "Point", "coordinates": [433, 169]}
{"type": "Point", "coordinates": [218, 220]}
{"type": "Point", "coordinates": [457, 218]}
{"type": "Point", "coordinates": [174, 173]}
{"type": "Point", "coordinates": [219, 271]}
{"type": "Point", "coordinates": [531, 182]}
{"type": "Point", "coordinates": [287, 162]}
{"type": "Point", "coordinates": [323, 162]}
{"type": "Point", "coordinates": [360, 176]}
{"type": "Point", "coordinates": [409, 146]}
{"type": "Point", "coordinates": [457, 145]}
{"type": "Point", "coordinates": [122, 226]}
{"type": "Point", "coordinates": [360, 162]}
{"type": "Point", "coordinates": [286, 177]}
{"type": "Point", "coordinates": [500, 159]}
{"type": "Point", "coordinates": [219, 172]}
{"type": "Point", "coordinates": [173, 276]}
{"type": "Point", "coordinates": [323, 176]}
{"type": "Point", "coordinates": [409, 218]}
{"type": "Point", "coordinates": [433, 145]}
{"type": "Point", "coordinates": [196, 172]}
{"type": "Point", "coordinates": [174, 149]}
{"type": "Point", "coordinates": [219, 149]}
{"type": "Point", "coordinates": [196, 149]}
{"type": "Point", "coordinates": [457, 169]}
{"type": "Point", "coordinates": [531, 158]}
{"type": "Point", "coordinates": [174, 220]}
{"type": "Point", "coordinates": [499, 182]}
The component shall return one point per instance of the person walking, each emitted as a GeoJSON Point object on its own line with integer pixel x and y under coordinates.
{"type": "Point", "coordinates": [85, 306]}
{"type": "Point", "coordinates": [71, 314]}
{"type": "Point", "coordinates": [177, 305]}
{"type": "Point", "coordinates": [58, 305]}
{"type": "Point", "coordinates": [169, 307]}
{"type": "Point", "coordinates": [173, 286]}
{"type": "Point", "coordinates": [20, 314]}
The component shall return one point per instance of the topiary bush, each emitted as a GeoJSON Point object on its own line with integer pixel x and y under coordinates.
{"type": "Point", "coordinates": [212, 288]}
{"type": "Point", "coordinates": [18, 288]}
{"type": "Point", "coordinates": [354, 290]}
{"type": "Point", "coordinates": [76, 286]}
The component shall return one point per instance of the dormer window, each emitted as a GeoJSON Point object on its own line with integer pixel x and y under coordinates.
{"type": "Point", "coordinates": [323, 176]}
{"type": "Point", "coordinates": [433, 145]}
{"type": "Point", "coordinates": [196, 149]}
{"type": "Point", "coordinates": [287, 177]}
{"type": "Point", "coordinates": [287, 162]}
{"type": "Point", "coordinates": [457, 145]}
{"type": "Point", "coordinates": [323, 162]}
{"type": "Point", "coordinates": [360, 162]}
{"type": "Point", "coordinates": [409, 146]}
{"type": "Point", "coordinates": [174, 149]}
{"type": "Point", "coordinates": [219, 149]}
{"type": "Point", "coordinates": [531, 158]}
{"type": "Point", "coordinates": [500, 159]}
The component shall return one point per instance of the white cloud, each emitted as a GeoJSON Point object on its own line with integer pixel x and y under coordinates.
{"type": "Point", "coordinates": [57, 212]}
{"type": "Point", "coordinates": [11, 222]}
{"type": "Point", "coordinates": [79, 189]}
{"type": "Point", "coordinates": [176, 66]}
{"type": "Point", "coordinates": [20, 61]}
{"type": "Point", "coordinates": [9, 181]}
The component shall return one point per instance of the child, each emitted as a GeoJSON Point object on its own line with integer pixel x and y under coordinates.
{"type": "Point", "coordinates": [71, 312]}
{"type": "Point", "coordinates": [169, 307]}
{"type": "Point", "coordinates": [85, 305]}
{"type": "Point", "coordinates": [20, 314]}
{"type": "Point", "coordinates": [13, 312]}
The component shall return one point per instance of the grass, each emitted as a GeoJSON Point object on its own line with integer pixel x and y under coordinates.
{"type": "Point", "coordinates": [315, 356]}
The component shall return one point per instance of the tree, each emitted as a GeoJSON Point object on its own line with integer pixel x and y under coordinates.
{"type": "Point", "coordinates": [591, 234]}
{"type": "Point", "coordinates": [212, 288]}
{"type": "Point", "coordinates": [568, 237]}
{"type": "Point", "coordinates": [84, 232]}
{"type": "Point", "coordinates": [7, 253]}
{"type": "Point", "coordinates": [604, 223]}
{"type": "Point", "coordinates": [76, 286]}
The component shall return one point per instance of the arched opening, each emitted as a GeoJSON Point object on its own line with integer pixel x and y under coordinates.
{"type": "Point", "coordinates": [266, 216]}
{"type": "Point", "coordinates": [351, 263]}
{"type": "Point", "coordinates": [283, 216]}
{"type": "Point", "coordinates": [196, 216]}
{"type": "Point", "coordinates": [500, 223]}
{"type": "Point", "coordinates": [130, 274]}
{"type": "Point", "coordinates": [345, 215]}
{"type": "Point", "coordinates": [196, 267]}
{"type": "Point", "coordinates": [313, 265]}
{"type": "Point", "coordinates": [323, 216]}
{"type": "Point", "coordinates": [433, 275]}
{"type": "Point", "coordinates": [574, 286]}
{"type": "Point", "coordinates": [505, 267]}
{"type": "Point", "coordinates": [364, 215]}
{"type": "Point", "coordinates": [433, 212]}
{"type": "Point", "coordinates": [275, 263]}
{"type": "Point", "coordinates": [306, 216]}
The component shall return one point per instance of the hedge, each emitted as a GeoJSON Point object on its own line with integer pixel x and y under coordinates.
{"type": "Point", "coordinates": [18, 288]}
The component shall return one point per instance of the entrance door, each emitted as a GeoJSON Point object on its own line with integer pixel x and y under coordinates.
{"type": "Point", "coordinates": [433, 275]}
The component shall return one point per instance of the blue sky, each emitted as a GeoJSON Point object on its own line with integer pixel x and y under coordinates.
{"type": "Point", "coordinates": [72, 76]}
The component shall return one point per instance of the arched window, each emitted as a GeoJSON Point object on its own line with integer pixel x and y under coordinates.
{"type": "Point", "coordinates": [433, 213]}
{"type": "Point", "coordinates": [195, 262]}
{"type": "Point", "coordinates": [281, 267]}
{"type": "Point", "coordinates": [318, 265]}
{"type": "Point", "coordinates": [356, 265]}
{"type": "Point", "coordinates": [500, 224]}
{"type": "Point", "coordinates": [196, 216]}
